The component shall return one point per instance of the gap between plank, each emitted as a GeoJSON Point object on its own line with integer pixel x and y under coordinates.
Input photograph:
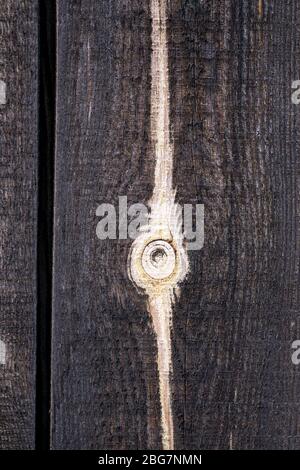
{"type": "Point", "coordinates": [47, 74]}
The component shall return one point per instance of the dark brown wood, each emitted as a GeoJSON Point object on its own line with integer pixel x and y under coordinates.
{"type": "Point", "coordinates": [18, 189]}
{"type": "Point", "coordinates": [104, 379]}
{"type": "Point", "coordinates": [237, 137]}
{"type": "Point", "coordinates": [236, 142]}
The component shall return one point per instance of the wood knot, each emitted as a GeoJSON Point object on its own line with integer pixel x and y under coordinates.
{"type": "Point", "coordinates": [159, 259]}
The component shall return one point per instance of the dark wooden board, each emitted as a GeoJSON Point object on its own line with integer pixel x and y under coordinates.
{"type": "Point", "coordinates": [104, 379]}
{"type": "Point", "coordinates": [18, 188]}
{"type": "Point", "coordinates": [236, 141]}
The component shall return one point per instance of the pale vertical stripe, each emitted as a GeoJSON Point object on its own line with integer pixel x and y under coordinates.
{"type": "Point", "coordinates": [165, 220]}
{"type": "Point", "coordinates": [160, 305]}
{"type": "Point", "coordinates": [2, 352]}
{"type": "Point", "coordinates": [160, 102]}
{"type": "Point", "coordinates": [2, 92]}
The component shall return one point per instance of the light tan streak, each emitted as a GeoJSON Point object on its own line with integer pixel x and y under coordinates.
{"type": "Point", "coordinates": [160, 102]}
{"type": "Point", "coordinates": [2, 352]}
{"type": "Point", "coordinates": [165, 221]}
{"type": "Point", "coordinates": [160, 308]}
{"type": "Point", "coordinates": [160, 305]}
{"type": "Point", "coordinates": [260, 9]}
{"type": "Point", "coordinates": [2, 92]}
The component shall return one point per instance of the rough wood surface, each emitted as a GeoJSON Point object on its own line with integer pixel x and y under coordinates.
{"type": "Point", "coordinates": [18, 192]}
{"type": "Point", "coordinates": [237, 151]}
{"type": "Point", "coordinates": [236, 147]}
{"type": "Point", "coordinates": [104, 378]}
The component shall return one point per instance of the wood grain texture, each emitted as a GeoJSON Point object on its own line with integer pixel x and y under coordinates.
{"type": "Point", "coordinates": [104, 377]}
{"type": "Point", "coordinates": [237, 151]}
{"type": "Point", "coordinates": [236, 145]}
{"type": "Point", "coordinates": [18, 189]}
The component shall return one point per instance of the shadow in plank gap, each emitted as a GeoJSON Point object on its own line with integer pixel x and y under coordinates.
{"type": "Point", "coordinates": [47, 58]}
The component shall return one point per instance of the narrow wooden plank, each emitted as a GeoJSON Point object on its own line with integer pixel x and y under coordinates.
{"type": "Point", "coordinates": [18, 160]}
{"type": "Point", "coordinates": [237, 137]}
{"type": "Point", "coordinates": [104, 376]}
{"type": "Point", "coordinates": [235, 134]}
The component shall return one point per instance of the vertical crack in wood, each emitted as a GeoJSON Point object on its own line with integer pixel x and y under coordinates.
{"type": "Point", "coordinates": [164, 225]}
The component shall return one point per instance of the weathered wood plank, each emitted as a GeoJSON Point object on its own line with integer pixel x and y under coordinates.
{"type": "Point", "coordinates": [18, 188]}
{"type": "Point", "coordinates": [236, 135]}
{"type": "Point", "coordinates": [237, 140]}
{"type": "Point", "coordinates": [104, 378]}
